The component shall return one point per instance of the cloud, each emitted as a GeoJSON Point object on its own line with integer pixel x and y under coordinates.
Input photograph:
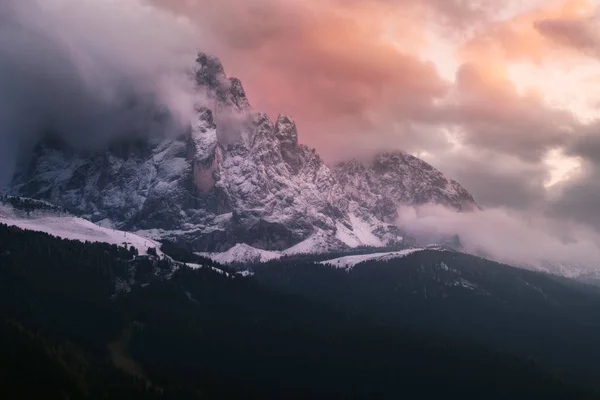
{"type": "Point", "coordinates": [581, 34]}
{"type": "Point", "coordinates": [495, 116]}
{"type": "Point", "coordinates": [507, 181]}
{"type": "Point", "coordinates": [578, 197]}
{"type": "Point", "coordinates": [330, 64]}
{"type": "Point", "coordinates": [354, 74]}
{"type": "Point", "coordinates": [90, 70]}
{"type": "Point", "coordinates": [518, 37]}
{"type": "Point", "coordinates": [507, 236]}
{"type": "Point", "coordinates": [356, 71]}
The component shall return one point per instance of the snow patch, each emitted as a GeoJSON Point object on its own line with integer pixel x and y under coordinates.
{"type": "Point", "coordinates": [465, 284]}
{"type": "Point", "coordinates": [348, 262]}
{"type": "Point", "coordinates": [318, 243]}
{"type": "Point", "coordinates": [217, 270]}
{"type": "Point", "coordinates": [67, 226]}
{"type": "Point", "coordinates": [243, 253]}
{"type": "Point", "coordinates": [361, 233]}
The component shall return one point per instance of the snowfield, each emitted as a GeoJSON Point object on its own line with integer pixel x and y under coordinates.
{"type": "Point", "coordinates": [361, 233]}
{"type": "Point", "coordinates": [67, 226]}
{"type": "Point", "coordinates": [318, 243]}
{"type": "Point", "coordinates": [242, 253]}
{"type": "Point", "coordinates": [348, 262]}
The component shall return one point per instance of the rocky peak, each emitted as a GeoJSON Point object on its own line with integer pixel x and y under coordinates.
{"type": "Point", "coordinates": [205, 115]}
{"type": "Point", "coordinates": [210, 75]}
{"type": "Point", "coordinates": [209, 72]}
{"type": "Point", "coordinates": [238, 94]}
{"type": "Point", "coordinates": [285, 130]}
{"type": "Point", "coordinates": [287, 134]}
{"type": "Point", "coordinates": [393, 179]}
{"type": "Point", "coordinates": [350, 168]}
{"type": "Point", "coordinates": [391, 161]}
{"type": "Point", "coordinates": [264, 133]}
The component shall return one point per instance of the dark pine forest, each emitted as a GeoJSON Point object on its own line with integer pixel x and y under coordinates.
{"type": "Point", "coordinates": [95, 321]}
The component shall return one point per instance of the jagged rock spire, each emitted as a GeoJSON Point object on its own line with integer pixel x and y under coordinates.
{"type": "Point", "coordinates": [211, 75]}
{"type": "Point", "coordinates": [209, 71]}
{"type": "Point", "coordinates": [287, 134]}
{"type": "Point", "coordinates": [285, 130]}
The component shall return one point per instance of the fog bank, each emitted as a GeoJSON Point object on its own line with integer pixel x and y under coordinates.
{"type": "Point", "coordinates": [90, 70]}
{"type": "Point", "coordinates": [506, 236]}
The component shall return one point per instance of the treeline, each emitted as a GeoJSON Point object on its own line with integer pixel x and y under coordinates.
{"type": "Point", "coordinates": [29, 205]}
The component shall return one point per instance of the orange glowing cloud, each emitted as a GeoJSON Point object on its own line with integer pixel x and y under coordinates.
{"type": "Point", "coordinates": [359, 70]}
{"type": "Point", "coordinates": [317, 60]}
{"type": "Point", "coordinates": [494, 92]}
{"type": "Point", "coordinates": [519, 38]}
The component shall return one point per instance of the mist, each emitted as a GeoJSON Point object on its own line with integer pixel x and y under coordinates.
{"type": "Point", "coordinates": [90, 71]}
{"type": "Point", "coordinates": [519, 239]}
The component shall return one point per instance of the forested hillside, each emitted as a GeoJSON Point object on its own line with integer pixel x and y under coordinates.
{"type": "Point", "coordinates": [532, 314]}
{"type": "Point", "coordinates": [68, 331]}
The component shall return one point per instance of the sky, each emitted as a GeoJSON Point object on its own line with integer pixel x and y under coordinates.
{"type": "Point", "coordinates": [502, 96]}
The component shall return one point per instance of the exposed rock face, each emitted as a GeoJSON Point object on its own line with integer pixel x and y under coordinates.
{"type": "Point", "coordinates": [233, 177]}
{"type": "Point", "coordinates": [287, 134]}
{"type": "Point", "coordinates": [397, 178]}
{"type": "Point", "coordinates": [211, 76]}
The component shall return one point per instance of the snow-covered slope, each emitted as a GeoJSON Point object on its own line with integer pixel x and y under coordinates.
{"type": "Point", "coordinates": [233, 177]}
{"type": "Point", "coordinates": [358, 233]}
{"type": "Point", "coordinates": [61, 224]}
{"type": "Point", "coordinates": [318, 243]}
{"type": "Point", "coordinates": [348, 262]}
{"type": "Point", "coordinates": [242, 253]}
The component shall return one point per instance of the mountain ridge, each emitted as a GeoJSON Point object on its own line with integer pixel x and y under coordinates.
{"type": "Point", "coordinates": [235, 176]}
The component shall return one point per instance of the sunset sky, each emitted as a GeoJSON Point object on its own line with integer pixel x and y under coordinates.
{"type": "Point", "coordinates": [503, 96]}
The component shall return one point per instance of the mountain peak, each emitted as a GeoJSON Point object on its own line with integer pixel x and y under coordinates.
{"type": "Point", "coordinates": [238, 94]}
{"type": "Point", "coordinates": [285, 129]}
{"type": "Point", "coordinates": [209, 71]}
{"type": "Point", "coordinates": [398, 178]}
{"type": "Point", "coordinates": [210, 75]}
{"type": "Point", "coordinates": [259, 187]}
{"type": "Point", "coordinates": [287, 134]}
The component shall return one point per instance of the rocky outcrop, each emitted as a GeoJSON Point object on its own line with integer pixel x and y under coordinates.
{"type": "Point", "coordinates": [397, 178]}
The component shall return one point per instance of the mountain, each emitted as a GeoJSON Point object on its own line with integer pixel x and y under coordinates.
{"type": "Point", "coordinates": [233, 177]}
{"type": "Point", "coordinates": [398, 178]}
{"type": "Point", "coordinates": [348, 262]}
{"type": "Point", "coordinates": [40, 216]}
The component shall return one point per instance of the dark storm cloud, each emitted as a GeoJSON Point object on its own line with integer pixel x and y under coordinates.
{"type": "Point", "coordinates": [507, 181]}
{"type": "Point", "coordinates": [578, 198]}
{"type": "Point", "coordinates": [86, 72]}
